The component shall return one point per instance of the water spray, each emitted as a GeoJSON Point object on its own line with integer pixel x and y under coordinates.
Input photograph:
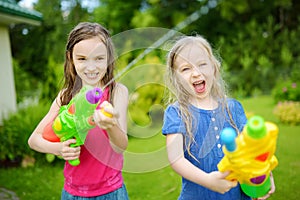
{"type": "Point", "coordinates": [172, 32]}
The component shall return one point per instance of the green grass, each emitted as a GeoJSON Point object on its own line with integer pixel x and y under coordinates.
{"type": "Point", "coordinates": [45, 181]}
{"type": "Point", "coordinates": [33, 183]}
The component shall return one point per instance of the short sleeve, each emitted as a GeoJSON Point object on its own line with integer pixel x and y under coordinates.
{"type": "Point", "coordinates": [238, 114]}
{"type": "Point", "coordinates": [172, 121]}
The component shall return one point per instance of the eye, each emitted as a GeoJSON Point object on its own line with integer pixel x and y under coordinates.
{"type": "Point", "coordinates": [99, 58]}
{"type": "Point", "coordinates": [203, 65]}
{"type": "Point", "coordinates": [185, 68]}
{"type": "Point", "coordinates": [81, 58]}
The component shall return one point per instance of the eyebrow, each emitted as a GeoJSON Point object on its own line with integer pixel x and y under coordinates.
{"type": "Point", "coordinates": [83, 55]}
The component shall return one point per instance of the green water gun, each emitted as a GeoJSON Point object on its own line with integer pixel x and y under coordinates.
{"type": "Point", "coordinates": [250, 155]}
{"type": "Point", "coordinates": [76, 119]}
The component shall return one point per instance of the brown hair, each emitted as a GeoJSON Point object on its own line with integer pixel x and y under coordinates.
{"type": "Point", "coordinates": [72, 82]}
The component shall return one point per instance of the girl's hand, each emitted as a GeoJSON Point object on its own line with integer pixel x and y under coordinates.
{"type": "Point", "coordinates": [218, 183]}
{"type": "Point", "coordinates": [106, 116]}
{"type": "Point", "coordinates": [69, 153]}
{"type": "Point", "coordinates": [271, 191]}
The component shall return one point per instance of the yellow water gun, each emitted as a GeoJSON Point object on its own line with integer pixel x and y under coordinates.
{"type": "Point", "coordinates": [250, 155]}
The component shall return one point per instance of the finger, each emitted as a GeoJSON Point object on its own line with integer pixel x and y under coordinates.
{"type": "Point", "coordinates": [75, 149]}
{"type": "Point", "coordinates": [272, 190]}
{"type": "Point", "coordinates": [104, 103]}
{"type": "Point", "coordinates": [69, 142]}
{"type": "Point", "coordinates": [234, 183]}
{"type": "Point", "coordinates": [224, 174]}
{"type": "Point", "coordinates": [71, 151]}
{"type": "Point", "coordinates": [71, 157]}
{"type": "Point", "coordinates": [264, 198]}
{"type": "Point", "coordinates": [231, 184]}
{"type": "Point", "coordinates": [96, 116]}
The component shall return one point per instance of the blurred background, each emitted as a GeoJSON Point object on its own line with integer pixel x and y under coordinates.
{"type": "Point", "coordinates": [257, 42]}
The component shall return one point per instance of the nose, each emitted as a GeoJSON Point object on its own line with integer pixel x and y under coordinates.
{"type": "Point", "coordinates": [90, 65]}
{"type": "Point", "coordinates": [196, 71]}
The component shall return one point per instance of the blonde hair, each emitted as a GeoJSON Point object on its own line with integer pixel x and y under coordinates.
{"type": "Point", "coordinates": [177, 92]}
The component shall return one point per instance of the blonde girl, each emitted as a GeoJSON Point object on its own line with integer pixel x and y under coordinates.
{"type": "Point", "coordinates": [198, 109]}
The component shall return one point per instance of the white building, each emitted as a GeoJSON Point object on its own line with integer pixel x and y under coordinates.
{"type": "Point", "coordinates": [10, 13]}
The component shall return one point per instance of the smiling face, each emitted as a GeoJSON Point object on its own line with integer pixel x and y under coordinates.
{"type": "Point", "coordinates": [195, 71]}
{"type": "Point", "coordinates": [90, 61]}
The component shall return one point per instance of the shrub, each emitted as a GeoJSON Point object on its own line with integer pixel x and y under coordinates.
{"type": "Point", "coordinates": [16, 130]}
{"type": "Point", "coordinates": [287, 91]}
{"type": "Point", "coordinates": [288, 112]}
{"type": "Point", "coordinates": [26, 85]}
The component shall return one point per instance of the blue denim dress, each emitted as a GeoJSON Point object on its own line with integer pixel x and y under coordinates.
{"type": "Point", "coordinates": [207, 148]}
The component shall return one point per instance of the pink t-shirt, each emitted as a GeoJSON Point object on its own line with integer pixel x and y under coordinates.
{"type": "Point", "coordinates": [99, 171]}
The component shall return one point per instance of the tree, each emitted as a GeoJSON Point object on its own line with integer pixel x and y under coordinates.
{"type": "Point", "coordinates": [116, 15]}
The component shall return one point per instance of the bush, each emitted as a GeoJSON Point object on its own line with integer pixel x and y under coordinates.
{"type": "Point", "coordinates": [287, 91]}
{"type": "Point", "coordinates": [16, 130]}
{"type": "Point", "coordinates": [26, 85]}
{"type": "Point", "coordinates": [288, 112]}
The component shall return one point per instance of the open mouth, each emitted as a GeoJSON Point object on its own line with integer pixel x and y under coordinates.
{"type": "Point", "coordinates": [199, 86]}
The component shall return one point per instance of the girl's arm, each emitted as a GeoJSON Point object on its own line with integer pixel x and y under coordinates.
{"type": "Point", "coordinates": [214, 181]}
{"type": "Point", "coordinates": [38, 143]}
{"type": "Point", "coordinates": [116, 126]}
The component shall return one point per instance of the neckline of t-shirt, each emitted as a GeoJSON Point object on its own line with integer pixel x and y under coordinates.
{"type": "Point", "coordinates": [215, 110]}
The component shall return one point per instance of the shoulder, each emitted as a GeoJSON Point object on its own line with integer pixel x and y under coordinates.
{"type": "Point", "coordinates": [58, 98]}
{"type": "Point", "coordinates": [55, 106]}
{"type": "Point", "coordinates": [233, 103]}
{"type": "Point", "coordinates": [120, 89]}
{"type": "Point", "coordinates": [120, 92]}
{"type": "Point", "coordinates": [62, 93]}
{"type": "Point", "coordinates": [172, 109]}
{"type": "Point", "coordinates": [120, 86]}
{"type": "Point", "coordinates": [238, 113]}
{"type": "Point", "coordinates": [174, 105]}
{"type": "Point", "coordinates": [173, 122]}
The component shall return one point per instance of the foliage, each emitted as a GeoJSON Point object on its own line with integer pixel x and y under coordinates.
{"type": "Point", "coordinates": [288, 112]}
{"type": "Point", "coordinates": [117, 16]}
{"type": "Point", "coordinates": [53, 83]}
{"type": "Point", "coordinates": [33, 45]}
{"type": "Point", "coordinates": [145, 85]}
{"type": "Point", "coordinates": [26, 85]}
{"type": "Point", "coordinates": [16, 130]}
{"type": "Point", "coordinates": [143, 100]}
{"type": "Point", "coordinates": [154, 13]}
{"type": "Point", "coordinates": [287, 91]}
{"type": "Point", "coordinates": [28, 49]}
{"type": "Point", "coordinates": [247, 63]}
{"type": "Point", "coordinates": [257, 40]}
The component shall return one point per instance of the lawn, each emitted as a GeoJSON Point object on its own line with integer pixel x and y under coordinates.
{"type": "Point", "coordinates": [147, 174]}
